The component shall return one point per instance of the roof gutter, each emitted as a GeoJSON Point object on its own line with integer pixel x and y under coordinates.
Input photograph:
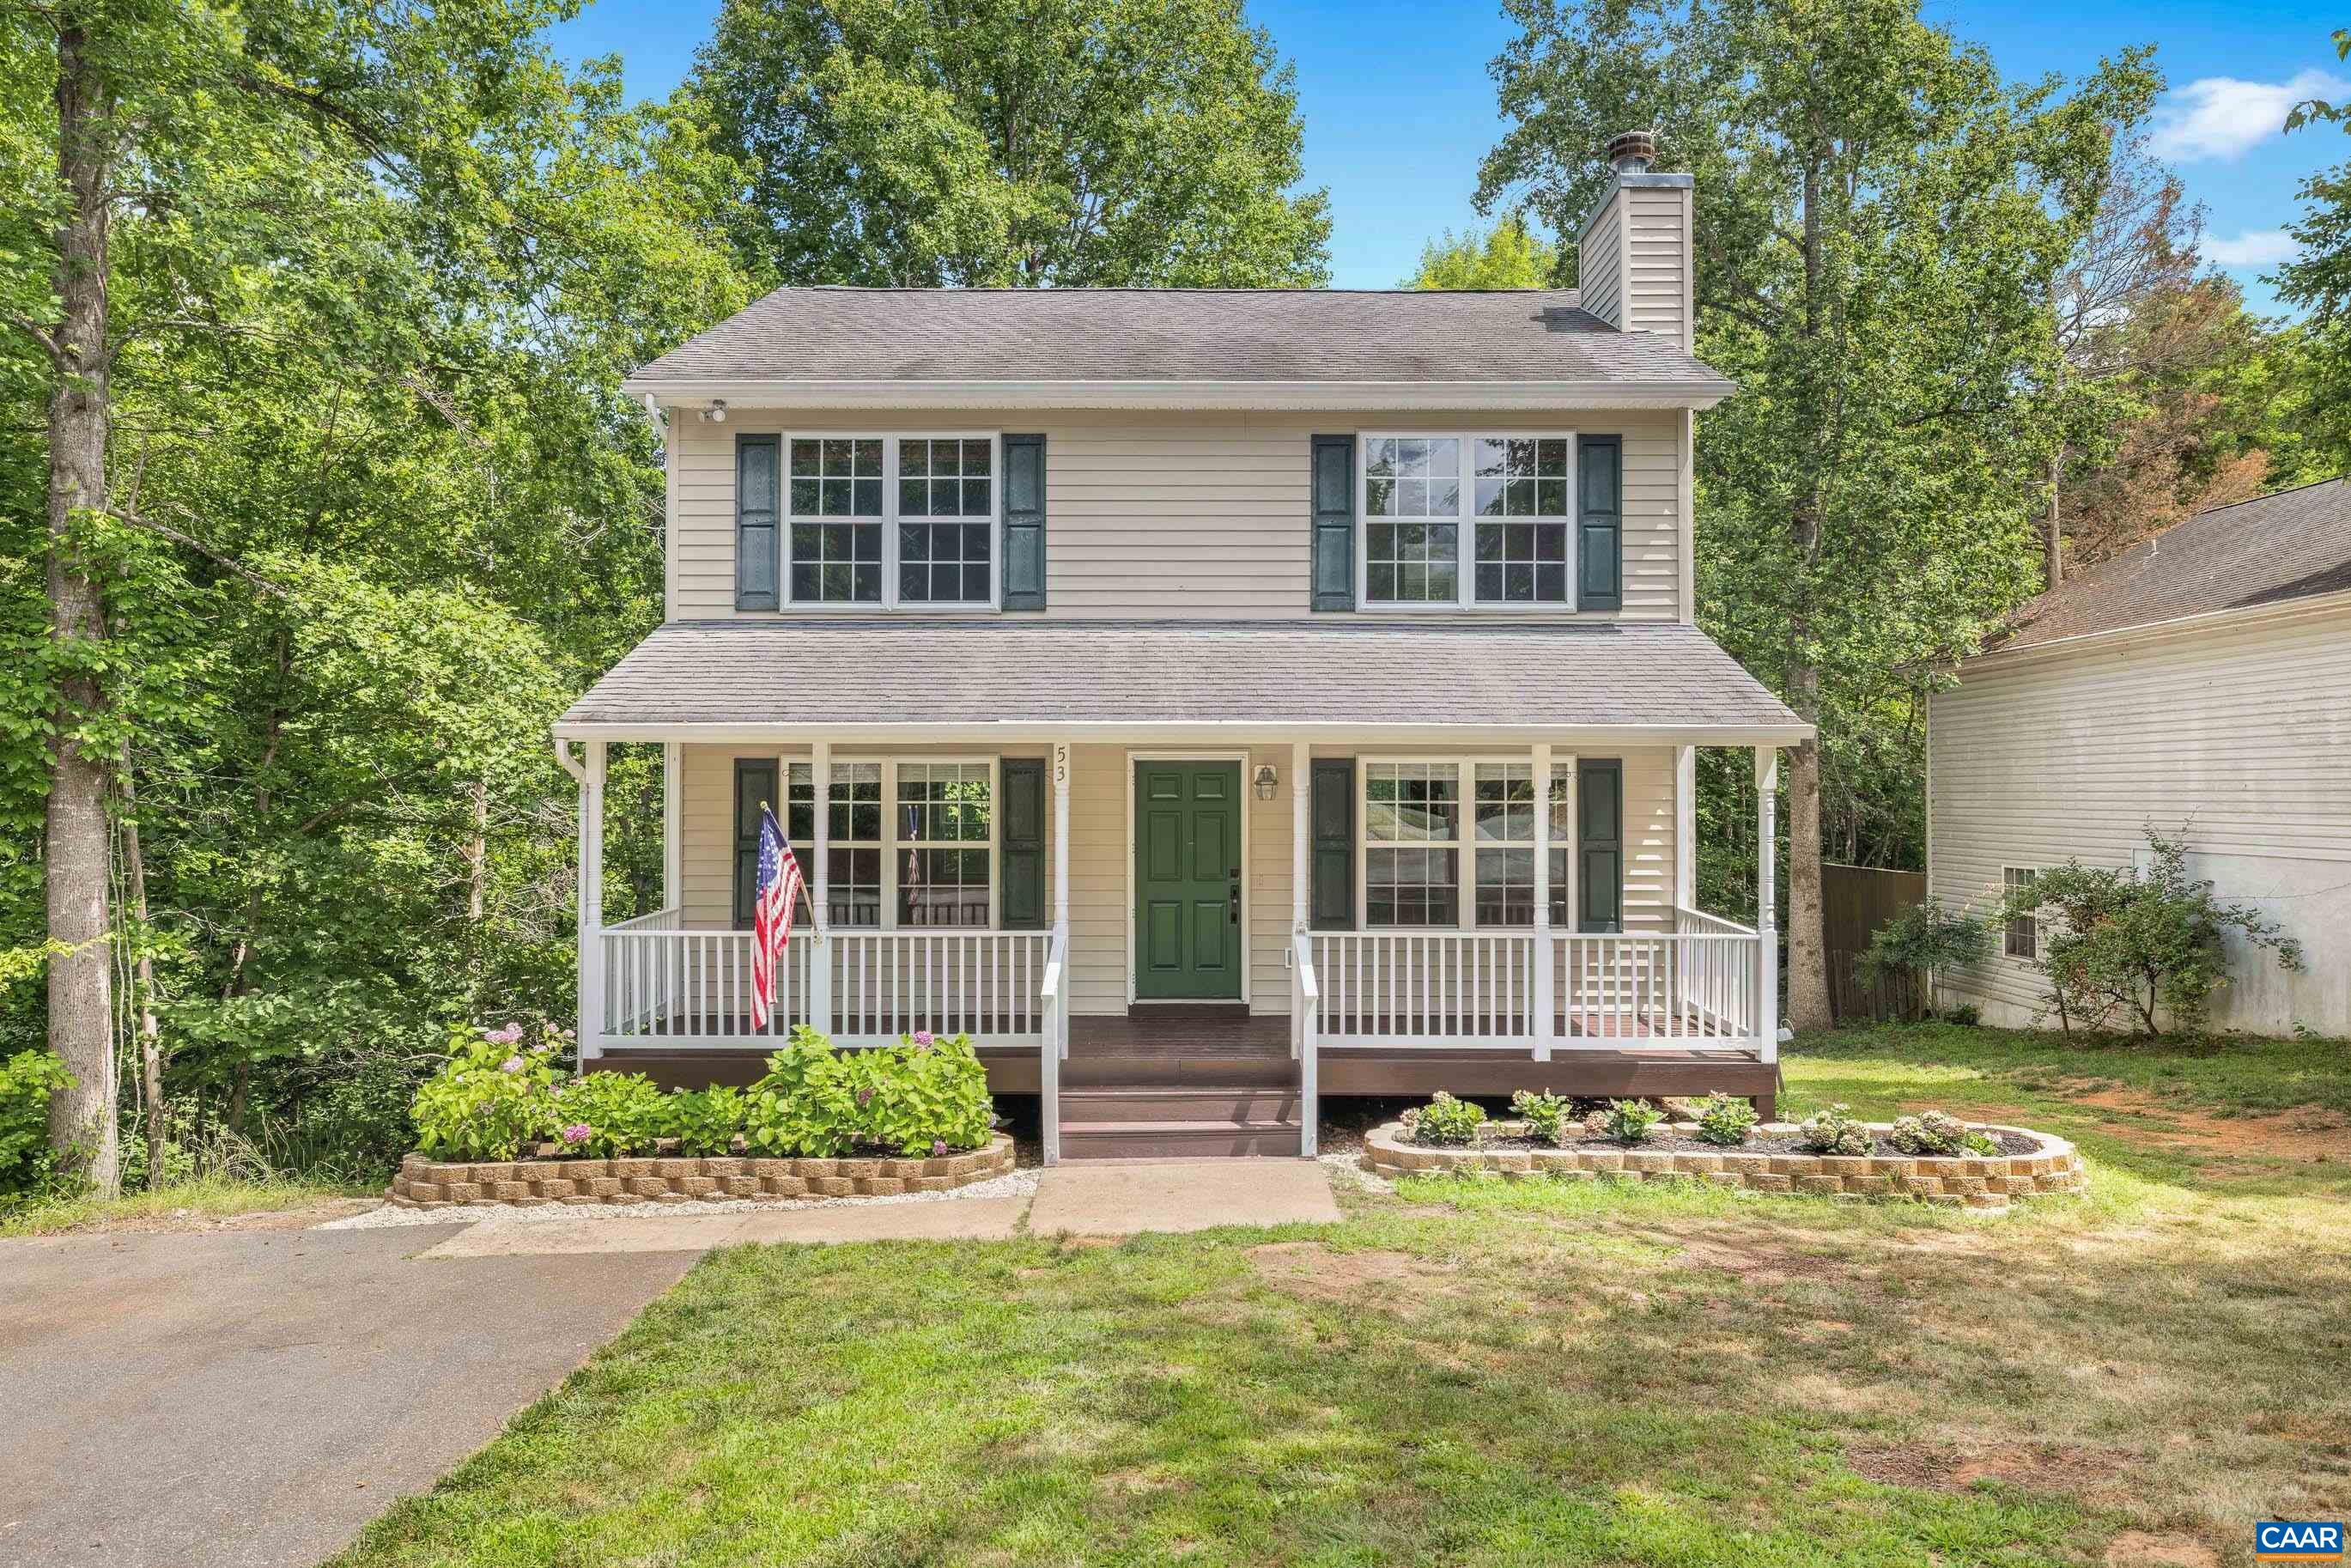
{"type": "Point", "coordinates": [791, 394]}
{"type": "Point", "coordinates": [2148, 631]}
{"type": "Point", "coordinates": [1281, 732]}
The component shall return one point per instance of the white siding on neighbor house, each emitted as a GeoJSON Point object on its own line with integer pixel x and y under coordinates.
{"type": "Point", "coordinates": [1657, 265]}
{"type": "Point", "coordinates": [1175, 514]}
{"type": "Point", "coordinates": [2239, 729]}
{"type": "Point", "coordinates": [1101, 779]}
{"type": "Point", "coordinates": [1600, 265]}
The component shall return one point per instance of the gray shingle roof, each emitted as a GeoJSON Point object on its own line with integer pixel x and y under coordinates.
{"type": "Point", "coordinates": [2289, 544]}
{"type": "Point", "coordinates": [1010, 672]}
{"type": "Point", "coordinates": [898, 335]}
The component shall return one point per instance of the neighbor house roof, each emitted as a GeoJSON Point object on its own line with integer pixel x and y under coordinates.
{"type": "Point", "coordinates": [804, 344]}
{"type": "Point", "coordinates": [2289, 545]}
{"type": "Point", "coordinates": [1002, 677]}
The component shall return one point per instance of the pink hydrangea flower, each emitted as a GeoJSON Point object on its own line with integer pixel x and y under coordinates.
{"type": "Point", "coordinates": [506, 1036]}
{"type": "Point", "coordinates": [511, 1064]}
{"type": "Point", "coordinates": [576, 1134]}
{"type": "Point", "coordinates": [938, 1147]}
{"type": "Point", "coordinates": [922, 1038]}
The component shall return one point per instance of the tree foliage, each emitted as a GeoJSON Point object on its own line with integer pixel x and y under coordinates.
{"type": "Point", "coordinates": [1508, 256]}
{"type": "Point", "coordinates": [1880, 223]}
{"type": "Point", "coordinates": [2319, 280]}
{"type": "Point", "coordinates": [1012, 143]}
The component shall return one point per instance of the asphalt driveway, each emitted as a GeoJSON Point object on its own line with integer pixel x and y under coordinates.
{"type": "Point", "coordinates": [209, 1400]}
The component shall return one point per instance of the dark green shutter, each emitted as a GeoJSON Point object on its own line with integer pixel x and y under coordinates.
{"type": "Point", "coordinates": [1333, 857]}
{"type": "Point", "coordinates": [1023, 842]}
{"type": "Point", "coordinates": [755, 786]}
{"type": "Point", "coordinates": [1600, 844]}
{"type": "Point", "coordinates": [755, 541]}
{"type": "Point", "coordinates": [1333, 504]}
{"type": "Point", "coordinates": [1599, 523]}
{"type": "Point", "coordinates": [1024, 522]}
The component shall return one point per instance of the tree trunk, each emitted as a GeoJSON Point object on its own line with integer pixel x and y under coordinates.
{"type": "Point", "coordinates": [150, 1043]}
{"type": "Point", "coordinates": [81, 980]}
{"type": "Point", "coordinates": [1808, 969]}
{"type": "Point", "coordinates": [477, 855]}
{"type": "Point", "coordinates": [2053, 532]}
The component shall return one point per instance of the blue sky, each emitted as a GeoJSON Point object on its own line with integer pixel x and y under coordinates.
{"type": "Point", "coordinates": [1398, 106]}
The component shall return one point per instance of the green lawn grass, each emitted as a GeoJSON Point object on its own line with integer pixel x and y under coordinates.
{"type": "Point", "coordinates": [1490, 1373]}
{"type": "Point", "coordinates": [199, 1199]}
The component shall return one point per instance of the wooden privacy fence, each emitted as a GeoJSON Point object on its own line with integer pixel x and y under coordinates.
{"type": "Point", "coordinates": [1855, 900]}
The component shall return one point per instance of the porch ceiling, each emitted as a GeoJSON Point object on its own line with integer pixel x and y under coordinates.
{"type": "Point", "coordinates": [1008, 678]}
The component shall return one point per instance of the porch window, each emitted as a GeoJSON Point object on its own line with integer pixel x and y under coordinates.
{"type": "Point", "coordinates": [1506, 843]}
{"type": "Point", "coordinates": [1412, 832]}
{"type": "Point", "coordinates": [836, 519]}
{"type": "Point", "coordinates": [853, 840]}
{"type": "Point", "coordinates": [1468, 520]}
{"type": "Point", "coordinates": [945, 831]}
{"type": "Point", "coordinates": [2022, 937]}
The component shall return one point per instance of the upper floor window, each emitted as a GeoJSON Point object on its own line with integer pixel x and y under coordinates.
{"type": "Point", "coordinates": [1465, 520]}
{"type": "Point", "coordinates": [881, 519]}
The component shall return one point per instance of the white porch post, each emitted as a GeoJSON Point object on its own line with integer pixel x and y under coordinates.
{"type": "Point", "coordinates": [1545, 986]}
{"type": "Point", "coordinates": [820, 980]}
{"type": "Point", "coordinates": [672, 824]}
{"type": "Point", "coordinates": [1302, 828]}
{"type": "Point", "coordinates": [1055, 1042]}
{"type": "Point", "coordinates": [591, 904]}
{"type": "Point", "coordinates": [1686, 827]}
{"type": "Point", "coordinates": [1767, 900]}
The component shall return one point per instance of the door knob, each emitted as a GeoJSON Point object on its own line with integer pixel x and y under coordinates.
{"type": "Point", "coordinates": [1233, 900]}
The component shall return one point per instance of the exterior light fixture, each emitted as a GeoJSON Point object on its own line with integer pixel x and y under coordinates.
{"type": "Point", "coordinates": [717, 413]}
{"type": "Point", "coordinates": [1265, 781]}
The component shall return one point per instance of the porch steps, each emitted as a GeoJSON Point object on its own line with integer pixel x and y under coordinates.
{"type": "Point", "coordinates": [1131, 1122]}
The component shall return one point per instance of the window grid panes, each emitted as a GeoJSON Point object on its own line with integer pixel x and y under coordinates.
{"type": "Point", "coordinates": [945, 815]}
{"type": "Point", "coordinates": [1522, 560]}
{"type": "Point", "coordinates": [946, 479]}
{"type": "Point", "coordinates": [2022, 939]}
{"type": "Point", "coordinates": [1563, 830]}
{"type": "Point", "coordinates": [1505, 827]}
{"type": "Point", "coordinates": [852, 840]}
{"type": "Point", "coordinates": [1412, 824]}
{"type": "Point", "coordinates": [1409, 477]}
{"type": "Point", "coordinates": [835, 492]}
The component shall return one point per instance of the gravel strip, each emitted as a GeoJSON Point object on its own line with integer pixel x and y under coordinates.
{"type": "Point", "coordinates": [1349, 1161]}
{"type": "Point", "coordinates": [1020, 1182]}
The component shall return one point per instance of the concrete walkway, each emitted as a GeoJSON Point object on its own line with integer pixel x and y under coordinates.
{"type": "Point", "coordinates": [1119, 1198]}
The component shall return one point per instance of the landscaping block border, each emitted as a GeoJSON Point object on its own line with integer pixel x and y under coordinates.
{"type": "Point", "coordinates": [424, 1183]}
{"type": "Point", "coordinates": [1971, 1181]}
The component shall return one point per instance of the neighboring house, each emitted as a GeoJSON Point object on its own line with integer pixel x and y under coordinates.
{"type": "Point", "coordinates": [1220, 697]}
{"type": "Point", "coordinates": [2201, 679]}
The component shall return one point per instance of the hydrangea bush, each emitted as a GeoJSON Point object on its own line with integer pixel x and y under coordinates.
{"type": "Point", "coordinates": [1935, 1133]}
{"type": "Point", "coordinates": [1626, 1121]}
{"type": "Point", "coordinates": [1545, 1114]}
{"type": "Point", "coordinates": [1835, 1131]}
{"type": "Point", "coordinates": [492, 1098]}
{"type": "Point", "coordinates": [924, 1096]}
{"type": "Point", "coordinates": [1445, 1121]}
{"type": "Point", "coordinates": [1724, 1119]}
{"type": "Point", "coordinates": [621, 1112]}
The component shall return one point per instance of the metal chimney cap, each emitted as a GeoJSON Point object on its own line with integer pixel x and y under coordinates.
{"type": "Point", "coordinates": [1632, 153]}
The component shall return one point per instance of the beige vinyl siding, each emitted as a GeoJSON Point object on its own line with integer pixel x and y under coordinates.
{"type": "Point", "coordinates": [1657, 279]}
{"type": "Point", "coordinates": [1178, 515]}
{"type": "Point", "coordinates": [1599, 265]}
{"type": "Point", "coordinates": [1101, 855]}
{"type": "Point", "coordinates": [2242, 732]}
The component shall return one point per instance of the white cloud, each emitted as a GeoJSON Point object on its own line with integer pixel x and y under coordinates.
{"type": "Point", "coordinates": [2222, 117]}
{"type": "Point", "coordinates": [2254, 248]}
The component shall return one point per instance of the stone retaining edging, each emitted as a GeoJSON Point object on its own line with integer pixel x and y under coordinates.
{"type": "Point", "coordinates": [424, 1183]}
{"type": "Point", "coordinates": [1973, 1181]}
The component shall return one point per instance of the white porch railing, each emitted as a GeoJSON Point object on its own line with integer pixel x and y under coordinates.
{"type": "Point", "coordinates": [985, 984]}
{"type": "Point", "coordinates": [1306, 1039]}
{"type": "Point", "coordinates": [666, 984]}
{"type": "Point", "coordinates": [1696, 985]}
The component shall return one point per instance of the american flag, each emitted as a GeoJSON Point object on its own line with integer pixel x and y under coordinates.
{"type": "Point", "coordinates": [778, 890]}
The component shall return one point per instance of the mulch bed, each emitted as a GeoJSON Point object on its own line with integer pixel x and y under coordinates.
{"type": "Point", "coordinates": [1682, 1144]}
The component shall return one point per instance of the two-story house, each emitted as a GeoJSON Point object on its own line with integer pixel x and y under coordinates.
{"type": "Point", "coordinates": [1209, 700]}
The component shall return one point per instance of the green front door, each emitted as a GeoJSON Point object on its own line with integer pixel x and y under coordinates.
{"type": "Point", "coordinates": [1188, 880]}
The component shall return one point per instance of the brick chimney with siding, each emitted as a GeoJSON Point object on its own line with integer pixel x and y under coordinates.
{"type": "Point", "coordinates": [1634, 250]}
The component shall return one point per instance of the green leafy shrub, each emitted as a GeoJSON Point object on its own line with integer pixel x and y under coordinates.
{"type": "Point", "coordinates": [2128, 943]}
{"type": "Point", "coordinates": [26, 1080]}
{"type": "Point", "coordinates": [1923, 938]}
{"type": "Point", "coordinates": [1445, 1121]}
{"type": "Point", "coordinates": [705, 1121]}
{"type": "Point", "coordinates": [1835, 1131]}
{"type": "Point", "coordinates": [1626, 1121]}
{"type": "Point", "coordinates": [605, 1116]}
{"type": "Point", "coordinates": [924, 1097]}
{"type": "Point", "coordinates": [1967, 1015]}
{"type": "Point", "coordinates": [1725, 1119]}
{"type": "Point", "coordinates": [1543, 1114]}
{"type": "Point", "coordinates": [492, 1097]}
{"type": "Point", "coordinates": [1934, 1132]}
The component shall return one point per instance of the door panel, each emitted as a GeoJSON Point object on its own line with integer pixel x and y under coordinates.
{"type": "Point", "coordinates": [1187, 878]}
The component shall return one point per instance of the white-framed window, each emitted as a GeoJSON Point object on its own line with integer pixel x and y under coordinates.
{"type": "Point", "coordinates": [1464, 519]}
{"type": "Point", "coordinates": [875, 520]}
{"type": "Point", "coordinates": [908, 844]}
{"type": "Point", "coordinates": [2022, 937]}
{"type": "Point", "coordinates": [1449, 844]}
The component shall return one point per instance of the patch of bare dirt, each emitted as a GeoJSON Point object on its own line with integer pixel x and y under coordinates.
{"type": "Point", "coordinates": [1762, 1264]}
{"type": "Point", "coordinates": [2305, 1136]}
{"type": "Point", "coordinates": [2139, 1549]}
{"type": "Point", "coordinates": [300, 1217]}
{"type": "Point", "coordinates": [1314, 1271]}
{"type": "Point", "coordinates": [1947, 1469]}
